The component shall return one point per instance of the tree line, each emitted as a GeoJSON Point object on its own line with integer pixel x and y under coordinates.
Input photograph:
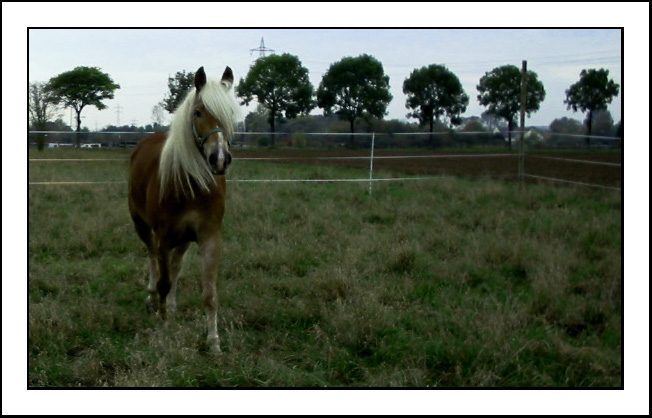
{"type": "Point", "coordinates": [354, 89]}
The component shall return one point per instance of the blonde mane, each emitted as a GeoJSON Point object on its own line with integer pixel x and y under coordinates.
{"type": "Point", "coordinates": [181, 162]}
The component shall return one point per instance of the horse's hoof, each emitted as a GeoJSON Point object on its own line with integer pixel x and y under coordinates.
{"type": "Point", "coordinates": [171, 310]}
{"type": "Point", "coordinates": [151, 305]}
{"type": "Point", "coordinates": [214, 346]}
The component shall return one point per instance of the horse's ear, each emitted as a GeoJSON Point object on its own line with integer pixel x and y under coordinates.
{"type": "Point", "coordinates": [200, 78]}
{"type": "Point", "coordinates": [227, 77]}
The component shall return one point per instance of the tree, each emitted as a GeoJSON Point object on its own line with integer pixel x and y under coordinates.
{"type": "Point", "coordinates": [432, 92]}
{"type": "Point", "coordinates": [81, 87]}
{"type": "Point", "coordinates": [178, 86]}
{"type": "Point", "coordinates": [475, 133]}
{"type": "Point", "coordinates": [603, 123]}
{"type": "Point", "coordinates": [594, 91]}
{"type": "Point", "coordinates": [354, 87]}
{"type": "Point", "coordinates": [281, 85]}
{"type": "Point", "coordinates": [566, 126]}
{"type": "Point", "coordinates": [41, 109]}
{"type": "Point", "coordinates": [58, 125]}
{"type": "Point", "coordinates": [564, 130]}
{"type": "Point", "coordinates": [158, 116]}
{"type": "Point", "coordinates": [500, 92]}
{"type": "Point", "coordinates": [257, 121]}
{"type": "Point", "coordinates": [492, 121]}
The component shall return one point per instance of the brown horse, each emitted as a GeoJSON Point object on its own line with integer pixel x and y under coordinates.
{"type": "Point", "coordinates": [177, 192]}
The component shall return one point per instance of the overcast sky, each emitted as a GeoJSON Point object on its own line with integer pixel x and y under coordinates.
{"type": "Point", "coordinates": [140, 60]}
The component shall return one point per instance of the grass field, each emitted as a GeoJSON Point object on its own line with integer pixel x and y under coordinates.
{"type": "Point", "coordinates": [449, 282]}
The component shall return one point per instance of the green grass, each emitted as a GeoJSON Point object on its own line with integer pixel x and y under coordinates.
{"type": "Point", "coordinates": [446, 282]}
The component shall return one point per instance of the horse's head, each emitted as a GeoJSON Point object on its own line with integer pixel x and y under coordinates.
{"type": "Point", "coordinates": [210, 133]}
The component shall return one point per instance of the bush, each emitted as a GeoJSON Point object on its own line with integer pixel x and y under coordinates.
{"type": "Point", "coordinates": [299, 140]}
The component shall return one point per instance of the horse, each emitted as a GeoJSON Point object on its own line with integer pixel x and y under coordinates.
{"type": "Point", "coordinates": [177, 192]}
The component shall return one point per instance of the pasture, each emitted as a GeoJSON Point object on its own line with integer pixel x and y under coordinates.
{"type": "Point", "coordinates": [449, 282]}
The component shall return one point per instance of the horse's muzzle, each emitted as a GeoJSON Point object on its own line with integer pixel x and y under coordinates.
{"type": "Point", "coordinates": [219, 161]}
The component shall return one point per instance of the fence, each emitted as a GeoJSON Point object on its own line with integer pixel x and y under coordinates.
{"type": "Point", "coordinates": [300, 140]}
{"type": "Point", "coordinates": [98, 139]}
{"type": "Point", "coordinates": [421, 154]}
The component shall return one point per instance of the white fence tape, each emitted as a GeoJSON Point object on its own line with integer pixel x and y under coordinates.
{"type": "Point", "coordinates": [251, 181]}
{"type": "Point", "coordinates": [370, 157]}
{"type": "Point", "coordinates": [571, 182]}
{"type": "Point", "coordinates": [615, 138]}
{"type": "Point", "coordinates": [43, 183]}
{"type": "Point", "coordinates": [77, 159]}
{"type": "Point", "coordinates": [361, 157]}
{"type": "Point", "coordinates": [575, 160]}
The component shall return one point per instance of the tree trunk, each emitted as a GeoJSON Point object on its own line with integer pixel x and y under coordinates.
{"type": "Point", "coordinates": [351, 121]}
{"type": "Point", "coordinates": [588, 126]}
{"type": "Point", "coordinates": [78, 137]}
{"type": "Point", "coordinates": [40, 138]}
{"type": "Point", "coordinates": [272, 126]}
{"type": "Point", "coordinates": [510, 126]}
{"type": "Point", "coordinates": [40, 142]}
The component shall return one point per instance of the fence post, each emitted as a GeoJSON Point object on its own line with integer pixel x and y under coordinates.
{"type": "Point", "coordinates": [371, 163]}
{"type": "Point", "coordinates": [521, 156]}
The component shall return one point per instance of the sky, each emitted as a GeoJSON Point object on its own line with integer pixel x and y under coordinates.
{"type": "Point", "coordinates": [141, 60]}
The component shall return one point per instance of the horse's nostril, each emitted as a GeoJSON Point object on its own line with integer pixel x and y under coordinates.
{"type": "Point", "coordinates": [212, 159]}
{"type": "Point", "coordinates": [228, 159]}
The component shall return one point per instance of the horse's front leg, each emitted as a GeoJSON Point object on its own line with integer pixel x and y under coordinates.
{"type": "Point", "coordinates": [176, 263]}
{"type": "Point", "coordinates": [152, 302]}
{"type": "Point", "coordinates": [152, 298]}
{"type": "Point", "coordinates": [164, 283]}
{"type": "Point", "coordinates": [210, 251]}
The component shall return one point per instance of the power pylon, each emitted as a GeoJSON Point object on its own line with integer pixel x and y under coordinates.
{"type": "Point", "coordinates": [261, 49]}
{"type": "Point", "coordinates": [118, 110]}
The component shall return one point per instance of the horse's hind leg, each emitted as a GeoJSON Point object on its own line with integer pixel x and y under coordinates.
{"type": "Point", "coordinates": [147, 236]}
{"type": "Point", "coordinates": [169, 261]}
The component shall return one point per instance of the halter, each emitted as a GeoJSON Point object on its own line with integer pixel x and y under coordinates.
{"type": "Point", "coordinates": [203, 139]}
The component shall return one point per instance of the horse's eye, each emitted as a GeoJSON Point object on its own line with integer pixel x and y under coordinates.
{"type": "Point", "coordinates": [197, 113]}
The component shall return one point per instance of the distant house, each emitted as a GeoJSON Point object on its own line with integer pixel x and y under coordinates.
{"type": "Point", "coordinates": [59, 145]}
{"type": "Point", "coordinates": [91, 145]}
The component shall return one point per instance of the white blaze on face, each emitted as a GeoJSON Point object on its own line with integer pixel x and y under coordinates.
{"type": "Point", "coordinates": [221, 156]}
